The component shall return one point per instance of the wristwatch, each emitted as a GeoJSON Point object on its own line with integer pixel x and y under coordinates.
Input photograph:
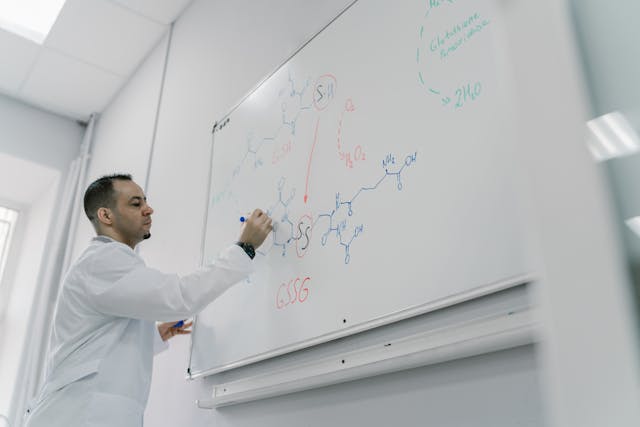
{"type": "Point", "coordinates": [247, 248]}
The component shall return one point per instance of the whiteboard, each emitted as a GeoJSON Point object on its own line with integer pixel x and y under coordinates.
{"type": "Point", "coordinates": [383, 151]}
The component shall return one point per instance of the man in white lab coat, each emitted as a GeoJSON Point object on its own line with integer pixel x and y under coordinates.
{"type": "Point", "coordinates": [104, 329]}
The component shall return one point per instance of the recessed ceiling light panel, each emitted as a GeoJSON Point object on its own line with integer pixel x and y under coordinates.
{"type": "Point", "coordinates": [31, 19]}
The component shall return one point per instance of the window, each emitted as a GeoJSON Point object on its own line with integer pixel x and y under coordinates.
{"type": "Point", "coordinates": [8, 218]}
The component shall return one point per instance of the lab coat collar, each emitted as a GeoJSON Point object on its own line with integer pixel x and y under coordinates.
{"type": "Point", "coordinates": [103, 239]}
{"type": "Point", "coordinates": [107, 239]}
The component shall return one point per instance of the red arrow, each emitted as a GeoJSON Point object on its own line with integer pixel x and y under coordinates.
{"type": "Point", "coordinates": [315, 140]}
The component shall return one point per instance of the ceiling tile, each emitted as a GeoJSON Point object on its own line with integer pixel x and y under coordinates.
{"type": "Point", "coordinates": [164, 12]}
{"type": "Point", "coordinates": [105, 34]}
{"type": "Point", "coordinates": [18, 55]}
{"type": "Point", "coordinates": [70, 87]}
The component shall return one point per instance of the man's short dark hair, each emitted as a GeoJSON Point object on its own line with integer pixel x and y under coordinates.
{"type": "Point", "coordinates": [100, 194]}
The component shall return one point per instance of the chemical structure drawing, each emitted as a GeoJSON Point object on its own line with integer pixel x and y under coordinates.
{"type": "Point", "coordinates": [294, 226]}
{"type": "Point", "coordinates": [279, 213]}
{"type": "Point", "coordinates": [340, 227]}
{"type": "Point", "coordinates": [293, 103]}
{"type": "Point", "coordinates": [294, 100]}
{"type": "Point", "coordinates": [287, 232]}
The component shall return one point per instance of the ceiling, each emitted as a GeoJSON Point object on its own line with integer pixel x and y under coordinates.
{"type": "Point", "coordinates": [90, 53]}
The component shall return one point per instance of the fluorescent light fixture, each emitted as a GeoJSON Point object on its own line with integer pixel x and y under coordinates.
{"type": "Point", "coordinates": [610, 136]}
{"type": "Point", "coordinates": [31, 19]}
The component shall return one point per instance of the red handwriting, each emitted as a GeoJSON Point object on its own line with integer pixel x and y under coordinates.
{"type": "Point", "coordinates": [313, 147]}
{"type": "Point", "coordinates": [296, 290]}
{"type": "Point", "coordinates": [281, 152]}
{"type": "Point", "coordinates": [358, 153]}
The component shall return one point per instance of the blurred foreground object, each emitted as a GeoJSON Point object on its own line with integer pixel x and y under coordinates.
{"type": "Point", "coordinates": [611, 135]}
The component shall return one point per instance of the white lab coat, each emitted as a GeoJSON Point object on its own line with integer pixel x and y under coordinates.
{"type": "Point", "coordinates": [101, 353]}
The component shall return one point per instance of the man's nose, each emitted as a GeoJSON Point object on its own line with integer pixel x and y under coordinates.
{"type": "Point", "coordinates": [149, 210]}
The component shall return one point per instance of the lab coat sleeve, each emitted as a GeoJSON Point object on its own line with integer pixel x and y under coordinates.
{"type": "Point", "coordinates": [122, 285]}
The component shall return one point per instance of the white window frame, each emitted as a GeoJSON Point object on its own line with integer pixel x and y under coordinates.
{"type": "Point", "coordinates": [8, 255]}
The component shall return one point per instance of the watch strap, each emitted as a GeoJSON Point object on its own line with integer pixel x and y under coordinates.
{"type": "Point", "coordinates": [248, 249]}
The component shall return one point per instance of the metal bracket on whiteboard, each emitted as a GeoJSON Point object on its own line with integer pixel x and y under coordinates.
{"type": "Point", "coordinates": [426, 348]}
{"type": "Point", "coordinates": [219, 125]}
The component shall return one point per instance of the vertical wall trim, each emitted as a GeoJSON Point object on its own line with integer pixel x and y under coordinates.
{"type": "Point", "coordinates": [157, 117]}
{"type": "Point", "coordinates": [86, 153]}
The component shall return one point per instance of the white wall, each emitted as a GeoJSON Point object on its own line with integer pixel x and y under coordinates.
{"type": "Point", "coordinates": [37, 147]}
{"type": "Point", "coordinates": [498, 389]}
{"type": "Point", "coordinates": [38, 136]}
{"type": "Point", "coordinates": [124, 132]}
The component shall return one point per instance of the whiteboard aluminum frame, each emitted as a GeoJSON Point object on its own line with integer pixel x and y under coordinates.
{"type": "Point", "coordinates": [466, 339]}
{"type": "Point", "coordinates": [474, 293]}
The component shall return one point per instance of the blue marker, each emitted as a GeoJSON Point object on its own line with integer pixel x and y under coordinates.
{"type": "Point", "coordinates": [179, 324]}
{"type": "Point", "coordinates": [244, 218]}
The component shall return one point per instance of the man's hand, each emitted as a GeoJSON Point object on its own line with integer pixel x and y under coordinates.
{"type": "Point", "coordinates": [167, 330]}
{"type": "Point", "coordinates": [256, 228]}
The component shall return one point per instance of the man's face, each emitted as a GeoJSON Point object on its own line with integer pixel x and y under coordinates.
{"type": "Point", "coordinates": [132, 214]}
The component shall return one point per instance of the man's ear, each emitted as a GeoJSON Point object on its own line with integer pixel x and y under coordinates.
{"type": "Point", "coordinates": [105, 216]}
